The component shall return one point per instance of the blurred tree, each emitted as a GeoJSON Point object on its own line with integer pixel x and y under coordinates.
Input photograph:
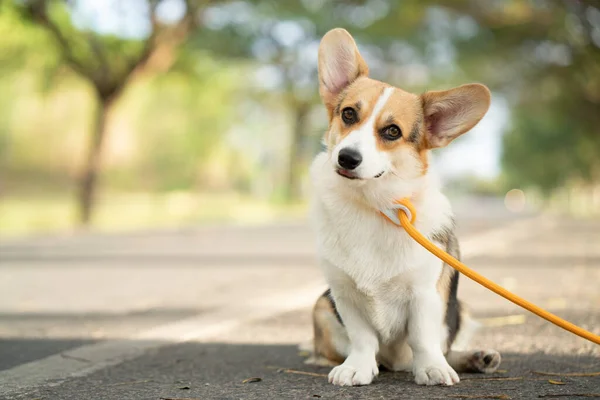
{"type": "Point", "coordinates": [544, 56]}
{"type": "Point", "coordinates": [109, 64]}
{"type": "Point", "coordinates": [541, 55]}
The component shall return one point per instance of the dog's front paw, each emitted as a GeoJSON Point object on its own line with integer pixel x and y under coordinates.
{"type": "Point", "coordinates": [353, 375]}
{"type": "Point", "coordinates": [439, 373]}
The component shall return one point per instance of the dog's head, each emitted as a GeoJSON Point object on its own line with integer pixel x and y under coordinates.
{"type": "Point", "coordinates": [377, 130]}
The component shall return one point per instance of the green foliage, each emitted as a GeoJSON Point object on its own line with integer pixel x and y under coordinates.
{"type": "Point", "coordinates": [180, 120]}
{"type": "Point", "coordinates": [27, 61]}
{"type": "Point", "coordinates": [23, 46]}
{"type": "Point", "coordinates": [547, 149]}
{"type": "Point", "coordinates": [545, 58]}
{"type": "Point", "coordinates": [173, 119]}
{"type": "Point", "coordinates": [175, 127]}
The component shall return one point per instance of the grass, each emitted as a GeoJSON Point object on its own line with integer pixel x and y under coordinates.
{"type": "Point", "coordinates": [21, 216]}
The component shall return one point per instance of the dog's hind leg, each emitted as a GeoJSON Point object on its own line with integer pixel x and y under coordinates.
{"type": "Point", "coordinates": [331, 343]}
{"type": "Point", "coordinates": [485, 361]}
{"type": "Point", "coordinates": [463, 360]}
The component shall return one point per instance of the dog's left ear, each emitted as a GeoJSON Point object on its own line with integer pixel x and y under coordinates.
{"type": "Point", "coordinates": [340, 64]}
{"type": "Point", "coordinates": [450, 113]}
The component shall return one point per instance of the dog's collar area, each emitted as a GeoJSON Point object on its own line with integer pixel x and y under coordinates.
{"type": "Point", "coordinates": [392, 213]}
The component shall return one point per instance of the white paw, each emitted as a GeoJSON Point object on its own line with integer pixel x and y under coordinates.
{"type": "Point", "coordinates": [351, 375]}
{"type": "Point", "coordinates": [486, 361]}
{"type": "Point", "coordinates": [439, 373]}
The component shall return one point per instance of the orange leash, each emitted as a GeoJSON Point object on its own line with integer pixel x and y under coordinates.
{"type": "Point", "coordinates": [409, 212]}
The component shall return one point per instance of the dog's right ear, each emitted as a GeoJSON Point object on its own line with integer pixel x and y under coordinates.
{"type": "Point", "coordinates": [340, 64]}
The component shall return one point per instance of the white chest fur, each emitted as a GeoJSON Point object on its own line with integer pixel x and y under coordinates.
{"type": "Point", "coordinates": [360, 250]}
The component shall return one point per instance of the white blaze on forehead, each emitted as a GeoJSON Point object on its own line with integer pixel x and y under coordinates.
{"type": "Point", "coordinates": [363, 139]}
{"type": "Point", "coordinates": [366, 130]}
{"type": "Point", "coordinates": [387, 92]}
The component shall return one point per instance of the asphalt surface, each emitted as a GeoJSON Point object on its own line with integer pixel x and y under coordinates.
{"type": "Point", "coordinates": [183, 372]}
{"type": "Point", "coordinates": [240, 291]}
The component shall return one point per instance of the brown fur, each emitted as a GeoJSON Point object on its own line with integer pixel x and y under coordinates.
{"type": "Point", "coordinates": [323, 313]}
{"type": "Point", "coordinates": [447, 284]}
{"type": "Point", "coordinates": [445, 237]}
{"type": "Point", "coordinates": [443, 284]}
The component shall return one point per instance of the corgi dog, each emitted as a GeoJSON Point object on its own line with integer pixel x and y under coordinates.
{"type": "Point", "coordinates": [390, 301]}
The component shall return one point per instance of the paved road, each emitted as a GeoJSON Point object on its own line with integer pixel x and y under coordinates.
{"type": "Point", "coordinates": [146, 315]}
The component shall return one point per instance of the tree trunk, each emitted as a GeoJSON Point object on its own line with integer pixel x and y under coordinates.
{"type": "Point", "coordinates": [89, 176]}
{"type": "Point", "coordinates": [293, 189]}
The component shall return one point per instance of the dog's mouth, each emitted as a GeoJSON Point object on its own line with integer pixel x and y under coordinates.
{"type": "Point", "coordinates": [351, 175]}
{"type": "Point", "coordinates": [346, 173]}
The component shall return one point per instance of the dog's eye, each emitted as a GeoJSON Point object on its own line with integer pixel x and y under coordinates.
{"type": "Point", "coordinates": [391, 132]}
{"type": "Point", "coordinates": [349, 115]}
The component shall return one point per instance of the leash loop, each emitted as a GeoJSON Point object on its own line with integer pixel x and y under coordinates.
{"type": "Point", "coordinates": [393, 213]}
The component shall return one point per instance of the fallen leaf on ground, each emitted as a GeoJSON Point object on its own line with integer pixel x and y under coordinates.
{"type": "Point", "coordinates": [552, 381]}
{"type": "Point", "coordinates": [479, 396]}
{"type": "Point", "coordinates": [557, 395]}
{"type": "Point", "coordinates": [566, 373]}
{"type": "Point", "coordinates": [70, 357]}
{"type": "Point", "coordinates": [293, 371]}
{"type": "Point", "coordinates": [513, 378]}
{"type": "Point", "coordinates": [252, 380]}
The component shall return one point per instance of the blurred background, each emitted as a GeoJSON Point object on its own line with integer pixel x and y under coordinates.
{"type": "Point", "coordinates": [124, 115]}
{"type": "Point", "coordinates": [153, 187]}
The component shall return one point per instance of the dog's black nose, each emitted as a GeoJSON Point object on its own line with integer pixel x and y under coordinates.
{"type": "Point", "coordinates": [349, 158]}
